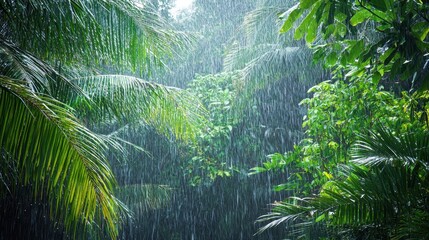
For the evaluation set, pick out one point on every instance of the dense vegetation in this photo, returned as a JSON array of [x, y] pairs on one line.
[[361, 167], [318, 107]]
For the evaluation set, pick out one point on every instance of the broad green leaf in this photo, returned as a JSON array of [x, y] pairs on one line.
[[355, 72], [303, 28], [286, 186], [320, 218], [356, 50], [331, 59], [376, 77], [382, 16], [294, 13], [420, 30], [388, 55], [339, 16], [344, 58], [359, 17], [304, 4], [341, 29], [329, 31], [325, 14], [379, 4], [257, 170], [311, 32]]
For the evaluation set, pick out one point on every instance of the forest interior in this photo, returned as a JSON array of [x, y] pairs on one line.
[[214, 119]]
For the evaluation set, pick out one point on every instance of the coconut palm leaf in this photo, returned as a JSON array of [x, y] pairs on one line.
[[38, 75], [369, 196], [290, 212], [413, 225], [365, 198], [261, 24], [265, 57], [47, 150], [238, 56], [143, 197], [265, 63], [94, 32], [124, 100], [383, 146], [270, 64], [56, 156]]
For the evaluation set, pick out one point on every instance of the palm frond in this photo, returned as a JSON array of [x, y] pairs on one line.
[[130, 100], [237, 57], [39, 76], [273, 63], [413, 225], [262, 24], [383, 146], [143, 197], [293, 213], [125, 33], [368, 196], [375, 196], [57, 156], [268, 63]]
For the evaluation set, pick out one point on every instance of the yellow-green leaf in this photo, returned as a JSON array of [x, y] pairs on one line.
[[293, 14]]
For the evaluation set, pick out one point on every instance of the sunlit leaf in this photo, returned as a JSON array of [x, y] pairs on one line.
[[293, 14]]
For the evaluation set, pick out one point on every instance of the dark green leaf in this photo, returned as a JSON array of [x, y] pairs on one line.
[[356, 50], [379, 4], [390, 55]]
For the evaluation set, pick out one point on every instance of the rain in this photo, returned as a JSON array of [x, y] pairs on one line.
[[213, 119], [210, 192]]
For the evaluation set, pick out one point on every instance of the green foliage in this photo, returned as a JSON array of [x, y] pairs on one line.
[[126, 34], [210, 152], [70, 167], [377, 197], [370, 46], [46, 148], [117, 100], [217, 93], [62, 160], [337, 112], [385, 38], [277, 162]]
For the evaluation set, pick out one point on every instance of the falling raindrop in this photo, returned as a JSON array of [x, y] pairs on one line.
[[250, 80]]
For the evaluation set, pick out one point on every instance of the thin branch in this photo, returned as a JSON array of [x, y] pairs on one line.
[[372, 12]]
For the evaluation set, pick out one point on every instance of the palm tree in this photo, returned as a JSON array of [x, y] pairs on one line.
[[53, 167], [384, 195]]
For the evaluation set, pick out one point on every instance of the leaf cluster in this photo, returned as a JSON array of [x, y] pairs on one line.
[[381, 196], [389, 36], [208, 158]]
